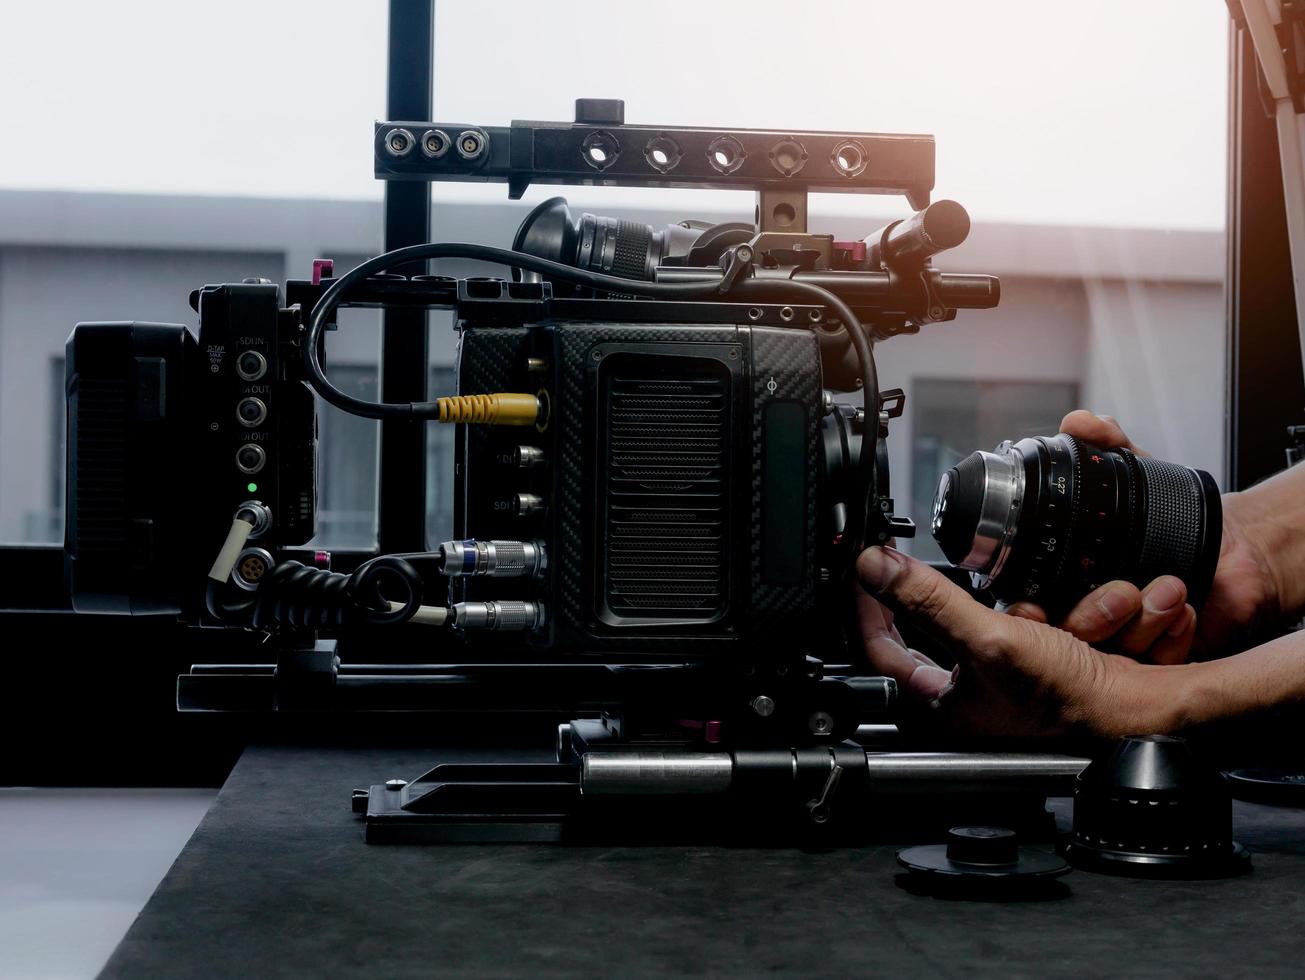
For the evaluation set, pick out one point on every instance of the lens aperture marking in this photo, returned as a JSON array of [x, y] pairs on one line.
[[1053, 505]]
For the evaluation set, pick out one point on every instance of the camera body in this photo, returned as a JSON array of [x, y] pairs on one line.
[[674, 489], [659, 437]]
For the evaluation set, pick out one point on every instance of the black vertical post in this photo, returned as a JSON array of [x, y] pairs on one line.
[[1265, 389], [401, 510]]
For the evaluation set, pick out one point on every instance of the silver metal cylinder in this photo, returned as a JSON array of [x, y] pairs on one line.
[[495, 559], [651, 773], [258, 514], [528, 457], [502, 615], [528, 504], [1003, 497], [950, 772]]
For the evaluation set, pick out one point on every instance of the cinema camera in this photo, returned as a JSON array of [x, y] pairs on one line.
[[659, 493]]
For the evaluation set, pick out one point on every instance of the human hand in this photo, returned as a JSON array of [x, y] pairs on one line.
[[1014, 676], [1152, 624]]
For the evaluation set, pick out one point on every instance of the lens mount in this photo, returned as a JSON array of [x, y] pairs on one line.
[[976, 511]]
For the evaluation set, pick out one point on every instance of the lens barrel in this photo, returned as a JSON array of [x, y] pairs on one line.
[[1051, 518], [612, 246]]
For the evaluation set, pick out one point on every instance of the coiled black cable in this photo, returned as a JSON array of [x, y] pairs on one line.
[[381, 591], [854, 534]]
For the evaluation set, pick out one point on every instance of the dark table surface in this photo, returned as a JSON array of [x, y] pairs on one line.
[[277, 882]]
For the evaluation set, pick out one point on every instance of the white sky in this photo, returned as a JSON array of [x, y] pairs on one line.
[[1107, 112]]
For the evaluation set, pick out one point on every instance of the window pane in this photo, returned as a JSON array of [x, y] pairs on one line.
[[346, 465], [347, 460]]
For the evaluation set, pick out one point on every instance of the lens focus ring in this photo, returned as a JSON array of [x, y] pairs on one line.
[[633, 245], [1171, 536]]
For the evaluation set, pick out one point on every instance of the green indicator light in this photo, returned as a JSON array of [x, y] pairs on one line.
[[252, 487]]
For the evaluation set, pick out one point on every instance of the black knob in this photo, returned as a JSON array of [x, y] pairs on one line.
[[982, 845]]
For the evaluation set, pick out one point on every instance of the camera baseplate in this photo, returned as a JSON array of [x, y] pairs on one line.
[[599, 787]]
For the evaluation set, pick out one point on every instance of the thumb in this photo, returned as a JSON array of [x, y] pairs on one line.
[[930, 600]]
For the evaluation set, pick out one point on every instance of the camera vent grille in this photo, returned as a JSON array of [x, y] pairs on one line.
[[667, 496], [99, 423]]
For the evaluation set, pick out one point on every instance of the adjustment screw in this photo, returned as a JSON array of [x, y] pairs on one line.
[[821, 723], [763, 706], [395, 784]]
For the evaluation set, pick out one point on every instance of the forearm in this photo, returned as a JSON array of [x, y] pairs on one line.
[[1267, 676], [1272, 517]]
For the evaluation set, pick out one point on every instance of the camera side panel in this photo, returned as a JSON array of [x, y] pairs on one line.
[[678, 505]]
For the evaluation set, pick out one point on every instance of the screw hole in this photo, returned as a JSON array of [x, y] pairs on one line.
[[726, 154], [849, 158], [600, 150]]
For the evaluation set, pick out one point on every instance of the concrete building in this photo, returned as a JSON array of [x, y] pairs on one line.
[[1125, 321]]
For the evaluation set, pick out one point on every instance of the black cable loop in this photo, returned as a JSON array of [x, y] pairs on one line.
[[303, 597]]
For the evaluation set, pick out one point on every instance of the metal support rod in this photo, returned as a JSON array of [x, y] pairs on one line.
[[401, 507], [651, 772]]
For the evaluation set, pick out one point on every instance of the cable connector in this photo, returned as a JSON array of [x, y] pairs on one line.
[[500, 408], [498, 614], [495, 559]]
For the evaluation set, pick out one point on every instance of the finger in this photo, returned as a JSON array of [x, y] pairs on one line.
[[884, 650], [1027, 610], [1162, 606], [1175, 646], [1104, 612], [931, 601], [928, 683], [1100, 430], [873, 615]]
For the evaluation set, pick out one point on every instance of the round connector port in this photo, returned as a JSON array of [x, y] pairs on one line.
[[251, 412], [251, 565], [250, 459], [399, 142], [251, 365], [472, 143], [527, 505], [435, 143]]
